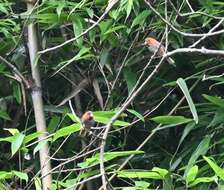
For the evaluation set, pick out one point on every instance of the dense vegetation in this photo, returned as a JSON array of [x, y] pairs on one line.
[[157, 126]]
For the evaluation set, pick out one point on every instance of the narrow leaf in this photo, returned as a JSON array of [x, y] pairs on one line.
[[21, 175], [187, 95], [215, 100], [140, 19], [191, 175], [200, 151], [218, 171], [107, 156], [137, 114], [171, 119], [17, 142], [65, 131]]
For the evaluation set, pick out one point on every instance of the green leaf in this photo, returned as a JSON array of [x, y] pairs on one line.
[[21, 175], [5, 175], [2, 184], [142, 184], [104, 57], [4, 115], [17, 93], [160, 171], [74, 117], [54, 122], [37, 183], [9, 175], [13, 131], [140, 19], [82, 54], [78, 27], [31, 137], [40, 145], [191, 175], [60, 6], [137, 114], [129, 7], [7, 139], [203, 180], [218, 171], [155, 173], [107, 157], [215, 100], [17, 142], [187, 95], [90, 12], [115, 29], [200, 151], [130, 78], [104, 26], [139, 174], [105, 120], [107, 114], [65, 131], [186, 131], [171, 119]]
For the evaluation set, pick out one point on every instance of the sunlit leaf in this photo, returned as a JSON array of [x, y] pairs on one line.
[[17, 142], [191, 175], [218, 171], [155, 173], [171, 119], [65, 131], [21, 175], [107, 156]]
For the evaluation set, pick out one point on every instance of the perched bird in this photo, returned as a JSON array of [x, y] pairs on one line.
[[155, 46], [87, 122]]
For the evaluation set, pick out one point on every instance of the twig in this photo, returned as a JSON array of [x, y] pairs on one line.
[[151, 134], [178, 31], [109, 7], [16, 71], [113, 119]]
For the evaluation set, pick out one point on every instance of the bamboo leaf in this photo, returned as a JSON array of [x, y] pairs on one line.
[[187, 95]]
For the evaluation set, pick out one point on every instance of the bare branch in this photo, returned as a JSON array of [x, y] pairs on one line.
[[178, 31], [15, 70]]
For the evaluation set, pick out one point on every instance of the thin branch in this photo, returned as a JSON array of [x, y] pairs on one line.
[[84, 181], [16, 71], [109, 7], [113, 119], [203, 50], [151, 134], [206, 35], [178, 31]]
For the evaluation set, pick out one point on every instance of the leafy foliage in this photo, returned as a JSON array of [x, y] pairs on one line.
[[172, 128]]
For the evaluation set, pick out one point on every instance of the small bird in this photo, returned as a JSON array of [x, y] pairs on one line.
[[155, 46], [87, 122]]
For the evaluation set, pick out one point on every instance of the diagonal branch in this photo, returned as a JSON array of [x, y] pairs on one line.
[[109, 7], [15, 70]]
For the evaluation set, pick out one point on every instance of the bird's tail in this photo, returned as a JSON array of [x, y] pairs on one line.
[[171, 61]]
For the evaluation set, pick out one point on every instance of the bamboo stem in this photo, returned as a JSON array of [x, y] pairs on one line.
[[38, 103]]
